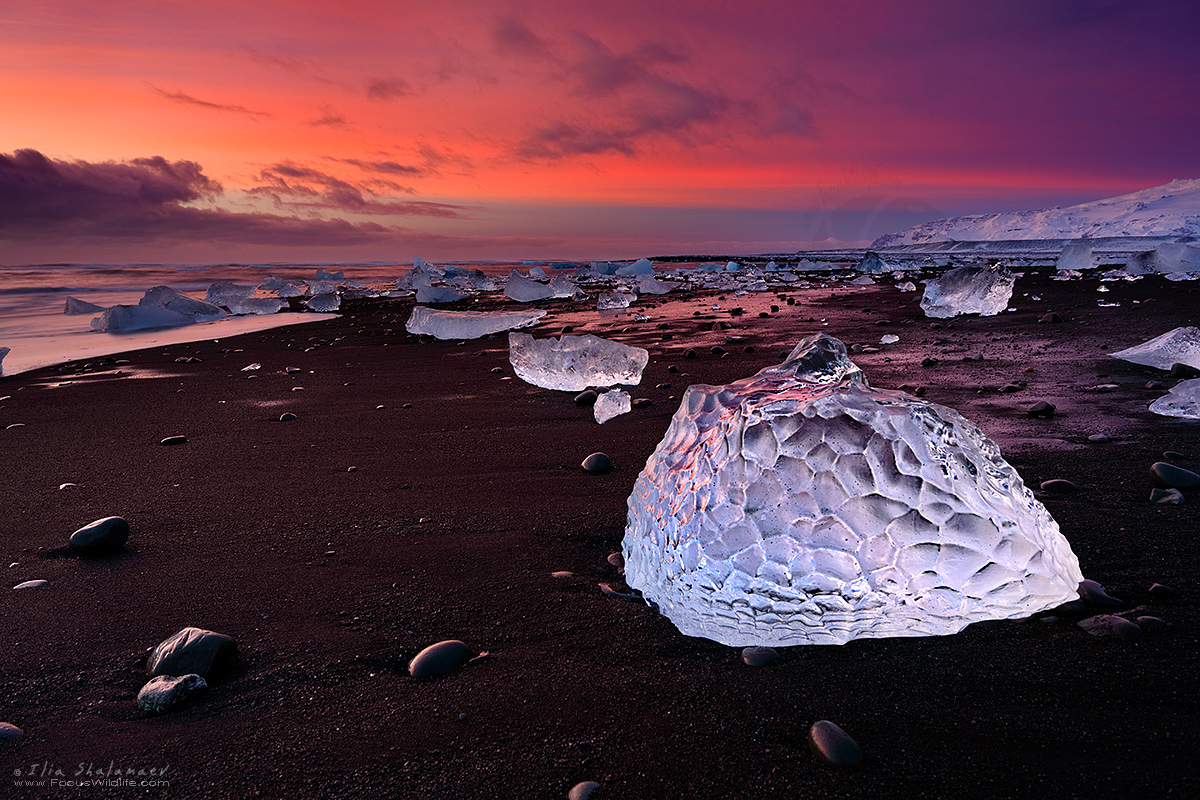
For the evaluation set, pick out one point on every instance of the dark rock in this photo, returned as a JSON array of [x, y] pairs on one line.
[[582, 790], [833, 745], [287, 416], [663, 386], [171, 441], [1155, 385], [1161, 592], [586, 398], [497, 370], [759, 656], [597, 464], [1112, 625], [617, 560], [1094, 594], [928, 362], [1166, 497], [191, 651], [10, 731], [1170, 476], [673, 369], [1009, 388], [1152, 624], [100, 538], [689, 353], [1184, 371], [1173, 455], [439, 659], [1099, 438], [1053, 316], [165, 692], [1059, 486], [717, 350], [1041, 409]]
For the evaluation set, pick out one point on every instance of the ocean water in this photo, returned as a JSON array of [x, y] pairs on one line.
[[38, 333]]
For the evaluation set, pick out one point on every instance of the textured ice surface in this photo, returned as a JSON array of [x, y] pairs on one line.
[[1181, 401], [524, 290], [573, 363], [971, 289], [648, 284], [640, 267], [248, 306], [1165, 259], [438, 294], [3, 352], [611, 404], [467, 324], [324, 302], [614, 301], [166, 297], [1076, 256], [139, 318], [1176, 346], [219, 293], [801, 506], [873, 262], [76, 306], [562, 286]]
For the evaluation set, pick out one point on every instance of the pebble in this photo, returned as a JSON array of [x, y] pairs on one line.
[[1185, 371], [102, 537], [717, 350], [191, 651], [673, 369], [1155, 385], [582, 790], [406, 405], [1166, 497], [10, 731], [32, 584], [663, 386], [1094, 594], [351, 469], [1170, 476], [1174, 455], [689, 353], [1151, 624], [164, 692], [497, 370], [62, 486], [1059, 486], [643, 402], [1099, 438], [291, 370], [1041, 409], [14, 425], [173, 440], [1112, 625], [439, 659], [1009, 388], [833, 745], [1161, 592], [1053, 316], [287, 416], [562, 573], [597, 464], [759, 656], [617, 559]]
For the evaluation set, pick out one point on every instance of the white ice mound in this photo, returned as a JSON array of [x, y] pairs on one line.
[[219, 293], [467, 324], [245, 306], [1076, 256], [175, 300], [971, 289], [76, 306], [573, 363], [524, 290], [120, 319], [1176, 346], [1182, 401], [873, 262], [1165, 259], [801, 506], [611, 404], [324, 302]]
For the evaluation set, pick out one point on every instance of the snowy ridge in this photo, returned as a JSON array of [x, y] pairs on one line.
[[1170, 210]]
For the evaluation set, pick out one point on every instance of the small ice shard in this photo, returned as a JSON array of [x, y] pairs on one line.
[[573, 363], [314, 288], [611, 404], [322, 275], [562, 286], [640, 267], [1168, 257], [614, 301], [219, 293], [324, 303], [648, 284], [1076, 256], [166, 297], [971, 289], [889, 338], [76, 306], [732, 266], [907, 286], [291, 289], [864, 280], [120, 319], [802, 506], [873, 262], [538, 272], [467, 324], [1176, 346], [1182, 401], [245, 306], [524, 290], [438, 294], [271, 283]]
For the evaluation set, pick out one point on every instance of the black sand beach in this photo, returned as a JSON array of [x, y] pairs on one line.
[[459, 508]]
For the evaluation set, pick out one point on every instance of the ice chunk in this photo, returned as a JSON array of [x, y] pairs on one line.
[[873, 262], [907, 286], [291, 289], [971, 289], [889, 338], [438, 294], [322, 275], [863, 280], [537, 272], [562, 286], [1076, 256], [119, 319], [640, 267], [648, 284], [246, 306], [1176, 346], [271, 283], [524, 290], [3, 352], [1182, 401], [808, 265], [77, 306], [611, 404], [780, 511], [467, 324], [573, 363], [219, 293], [166, 297], [614, 301], [1164, 259], [325, 302]]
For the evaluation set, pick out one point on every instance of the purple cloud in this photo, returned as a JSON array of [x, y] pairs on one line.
[[295, 186], [187, 99], [388, 88]]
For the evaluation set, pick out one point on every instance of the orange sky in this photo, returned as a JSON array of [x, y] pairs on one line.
[[576, 129]]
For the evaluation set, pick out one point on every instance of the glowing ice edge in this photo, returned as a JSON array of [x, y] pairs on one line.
[[801, 506]]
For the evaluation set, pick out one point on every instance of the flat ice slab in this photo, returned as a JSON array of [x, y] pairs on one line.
[[1182, 401], [1177, 346], [120, 318], [467, 324], [573, 363], [783, 510], [970, 289], [525, 290]]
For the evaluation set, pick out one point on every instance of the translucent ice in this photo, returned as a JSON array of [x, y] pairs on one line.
[[614, 301], [243, 306], [611, 404], [648, 284], [782, 510], [119, 319], [3, 352], [325, 302], [467, 324], [1076, 256], [166, 297], [1177, 346], [77, 306], [524, 290], [219, 293], [322, 275], [573, 363], [438, 294], [640, 267], [971, 289], [562, 286], [1166, 258], [873, 262], [1181, 401], [290, 289]]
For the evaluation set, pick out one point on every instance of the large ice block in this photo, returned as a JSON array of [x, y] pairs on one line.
[[614, 301], [1176, 346], [970, 289], [244, 306], [573, 363], [1182, 401], [1076, 256], [76, 306], [324, 302], [467, 324], [166, 297], [1165, 259], [219, 293], [524, 290], [438, 294], [873, 262], [121, 318], [781, 510], [612, 403]]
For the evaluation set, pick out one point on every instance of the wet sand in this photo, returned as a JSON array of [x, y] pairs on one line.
[[461, 506]]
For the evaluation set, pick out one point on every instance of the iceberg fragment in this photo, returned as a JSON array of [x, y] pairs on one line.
[[245, 306], [324, 302], [76, 306], [573, 363], [971, 289], [524, 290], [640, 267], [219, 293], [614, 301], [1165, 259], [467, 324], [438, 294], [611, 404], [119, 319], [322, 275], [166, 297], [1176, 346], [1182, 401], [802, 506], [562, 286], [1076, 256], [3, 352], [648, 284], [873, 262]]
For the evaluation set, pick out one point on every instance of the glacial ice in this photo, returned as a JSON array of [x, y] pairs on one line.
[[873, 262], [614, 301], [802, 506], [76, 306], [324, 302], [174, 300], [1176, 346], [219, 293], [648, 284], [467, 324], [524, 290], [119, 319], [290, 289], [246, 306], [562, 286], [573, 363], [322, 275], [438, 294], [612, 403], [640, 267], [1165, 259], [1076, 256], [970, 289], [1182, 401], [3, 352]]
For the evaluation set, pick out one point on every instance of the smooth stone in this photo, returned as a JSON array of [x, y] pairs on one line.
[[14, 425], [1099, 438], [10, 731], [759, 656], [102, 537], [1094, 594], [1041, 409], [1059, 486], [833, 745], [643, 402], [1170, 476], [439, 659], [1166, 497], [287, 417], [1160, 591], [1053, 316], [1155, 385], [582, 790], [1112, 625], [1184, 371], [191, 651], [1174, 455], [171, 441], [597, 464], [164, 692], [617, 560], [32, 584], [717, 350], [1151, 624], [1009, 388], [67, 486], [586, 398], [562, 573]]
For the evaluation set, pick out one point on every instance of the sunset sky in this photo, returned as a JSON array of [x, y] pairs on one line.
[[215, 130]]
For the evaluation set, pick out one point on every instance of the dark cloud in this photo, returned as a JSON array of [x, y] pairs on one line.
[[511, 36], [329, 118], [387, 167], [388, 88], [297, 187], [187, 99]]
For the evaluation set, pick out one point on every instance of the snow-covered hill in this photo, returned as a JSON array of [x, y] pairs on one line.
[[1169, 210]]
